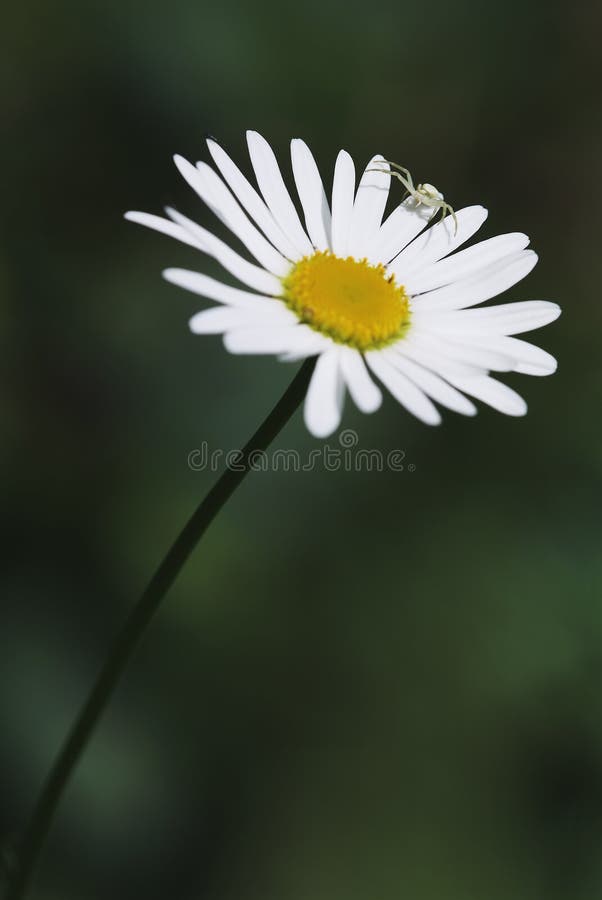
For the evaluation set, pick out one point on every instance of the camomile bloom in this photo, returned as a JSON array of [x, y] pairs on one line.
[[379, 301]]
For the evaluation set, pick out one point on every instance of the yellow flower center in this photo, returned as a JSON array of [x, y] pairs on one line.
[[351, 301]]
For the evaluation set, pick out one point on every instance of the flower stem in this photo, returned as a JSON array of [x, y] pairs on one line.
[[25, 855]]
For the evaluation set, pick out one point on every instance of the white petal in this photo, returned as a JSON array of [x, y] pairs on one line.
[[465, 263], [529, 359], [507, 318], [223, 293], [252, 202], [246, 272], [192, 177], [461, 349], [369, 206], [436, 388], [428, 357], [311, 194], [307, 342], [261, 339], [493, 280], [323, 406], [165, 226], [404, 390], [275, 193], [494, 393], [437, 241], [405, 222], [343, 190], [364, 393], [221, 318], [270, 258], [212, 191], [539, 371]]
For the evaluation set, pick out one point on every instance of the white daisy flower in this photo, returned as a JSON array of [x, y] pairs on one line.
[[376, 301]]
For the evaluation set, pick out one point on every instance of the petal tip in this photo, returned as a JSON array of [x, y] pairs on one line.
[[373, 407], [194, 325], [319, 432]]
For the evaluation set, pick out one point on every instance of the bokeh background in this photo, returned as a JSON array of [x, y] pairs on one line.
[[373, 685]]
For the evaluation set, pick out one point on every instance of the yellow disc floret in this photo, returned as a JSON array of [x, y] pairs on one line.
[[349, 300]]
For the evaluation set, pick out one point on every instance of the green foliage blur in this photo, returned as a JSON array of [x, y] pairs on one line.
[[365, 686]]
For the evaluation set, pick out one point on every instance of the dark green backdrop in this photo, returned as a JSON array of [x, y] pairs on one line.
[[377, 686]]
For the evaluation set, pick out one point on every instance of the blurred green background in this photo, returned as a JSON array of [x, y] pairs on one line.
[[364, 686]]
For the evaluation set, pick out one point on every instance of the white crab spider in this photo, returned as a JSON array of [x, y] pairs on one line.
[[423, 195]]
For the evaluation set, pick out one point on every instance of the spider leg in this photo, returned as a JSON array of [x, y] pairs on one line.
[[395, 175], [380, 168], [408, 186], [402, 169], [406, 173], [437, 206], [455, 218], [387, 172], [445, 207], [411, 193]]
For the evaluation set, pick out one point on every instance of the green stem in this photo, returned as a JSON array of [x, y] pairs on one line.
[[35, 832]]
